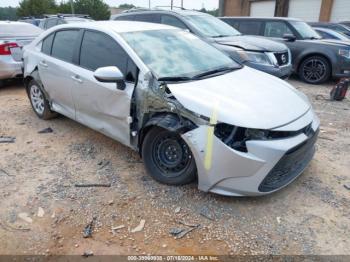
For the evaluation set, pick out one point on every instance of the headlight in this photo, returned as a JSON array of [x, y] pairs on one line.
[[344, 53], [255, 57], [236, 137]]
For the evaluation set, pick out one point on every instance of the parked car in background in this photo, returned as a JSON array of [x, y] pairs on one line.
[[261, 54], [13, 36], [346, 23], [30, 20], [314, 60], [326, 33], [59, 19], [340, 28], [186, 107]]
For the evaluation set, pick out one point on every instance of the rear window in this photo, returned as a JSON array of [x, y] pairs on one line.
[[18, 29], [63, 45]]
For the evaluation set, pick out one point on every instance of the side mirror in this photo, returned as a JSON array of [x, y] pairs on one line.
[[110, 74], [289, 37]]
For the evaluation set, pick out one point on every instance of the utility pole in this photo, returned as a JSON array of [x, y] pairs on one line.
[[72, 6], [149, 4], [182, 4], [172, 3]]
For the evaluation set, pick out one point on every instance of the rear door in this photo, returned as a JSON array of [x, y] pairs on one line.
[[55, 68], [102, 106]]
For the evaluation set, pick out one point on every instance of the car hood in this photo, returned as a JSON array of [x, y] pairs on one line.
[[251, 43], [246, 98]]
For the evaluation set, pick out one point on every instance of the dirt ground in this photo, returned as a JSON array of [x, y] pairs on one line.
[[43, 212]]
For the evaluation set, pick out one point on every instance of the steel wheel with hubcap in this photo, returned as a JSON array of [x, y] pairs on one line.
[[315, 70], [167, 157]]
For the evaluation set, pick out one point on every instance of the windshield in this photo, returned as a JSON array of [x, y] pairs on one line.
[[305, 31], [211, 26], [176, 53], [18, 29]]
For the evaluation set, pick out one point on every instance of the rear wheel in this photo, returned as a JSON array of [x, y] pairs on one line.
[[39, 102], [315, 70], [167, 157]]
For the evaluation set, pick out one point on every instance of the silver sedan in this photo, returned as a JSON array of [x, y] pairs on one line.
[[13, 36], [186, 107]]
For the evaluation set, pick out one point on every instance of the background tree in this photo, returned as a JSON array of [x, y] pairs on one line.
[[126, 6], [8, 13], [97, 9], [36, 7], [214, 12]]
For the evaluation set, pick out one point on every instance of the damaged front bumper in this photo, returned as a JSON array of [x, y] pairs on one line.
[[268, 165]]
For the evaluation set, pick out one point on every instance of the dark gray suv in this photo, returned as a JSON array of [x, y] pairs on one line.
[[315, 60], [256, 52]]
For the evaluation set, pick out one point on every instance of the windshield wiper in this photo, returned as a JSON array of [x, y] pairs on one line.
[[215, 71], [175, 78]]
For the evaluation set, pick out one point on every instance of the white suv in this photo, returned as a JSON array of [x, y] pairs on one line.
[[187, 108]]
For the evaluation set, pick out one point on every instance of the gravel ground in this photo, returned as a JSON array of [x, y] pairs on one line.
[[43, 212]]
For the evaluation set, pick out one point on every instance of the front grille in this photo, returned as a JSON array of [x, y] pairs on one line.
[[282, 58], [291, 164]]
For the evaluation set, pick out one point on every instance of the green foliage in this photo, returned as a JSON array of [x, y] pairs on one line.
[[97, 9], [8, 13], [214, 12], [126, 6], [36, 7]]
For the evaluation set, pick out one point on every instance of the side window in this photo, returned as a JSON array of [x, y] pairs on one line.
[[173, 21], [100, 50], [61, 22], [249, 27], [64, 44], [276, 29], [150, 18], [47, 44], [125, 18], [51, 22]]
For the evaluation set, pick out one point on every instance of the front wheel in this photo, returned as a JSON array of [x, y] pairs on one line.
[[167, 157], [39, 102], [315, 70]]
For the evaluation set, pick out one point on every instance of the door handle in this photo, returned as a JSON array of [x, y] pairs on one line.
[[43, 63], [77, 78]]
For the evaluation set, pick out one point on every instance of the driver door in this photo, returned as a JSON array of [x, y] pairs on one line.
[[102, 106]]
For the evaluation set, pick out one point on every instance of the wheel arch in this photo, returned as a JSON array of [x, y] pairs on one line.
[[308, 55], [34, 75], [167, 121]]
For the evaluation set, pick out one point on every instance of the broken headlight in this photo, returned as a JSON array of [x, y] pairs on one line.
[[236, 137]]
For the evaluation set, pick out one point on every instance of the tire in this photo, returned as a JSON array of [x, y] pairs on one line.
[[39, 102], [2, 83], [167, 157], [315, 70]]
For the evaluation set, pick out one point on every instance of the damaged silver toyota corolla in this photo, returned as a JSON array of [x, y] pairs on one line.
[[187, 108]]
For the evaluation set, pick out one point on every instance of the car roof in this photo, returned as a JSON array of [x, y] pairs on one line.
[[119, 26], [182, 12], [12, 23], [262, 18]]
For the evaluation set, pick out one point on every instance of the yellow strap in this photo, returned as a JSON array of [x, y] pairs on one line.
[[210, 138]]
